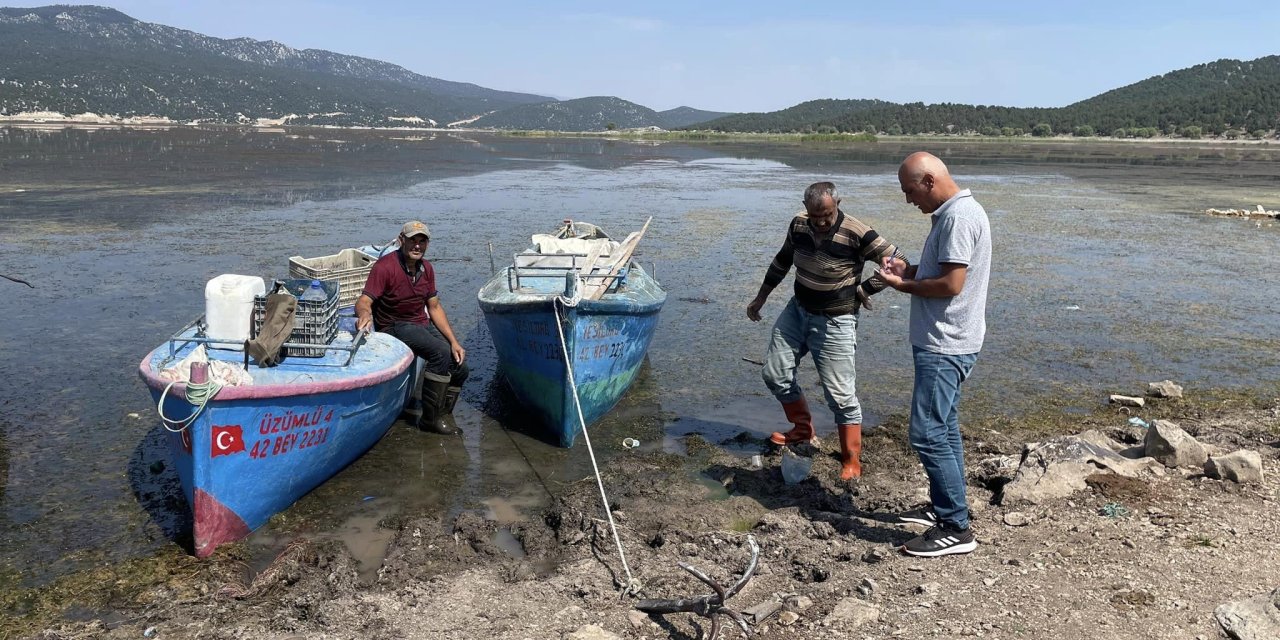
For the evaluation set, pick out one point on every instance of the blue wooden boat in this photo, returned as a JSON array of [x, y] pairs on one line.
[[574, 291], [256, 448]]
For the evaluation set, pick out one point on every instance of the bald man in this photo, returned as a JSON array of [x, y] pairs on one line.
[[948, 324]]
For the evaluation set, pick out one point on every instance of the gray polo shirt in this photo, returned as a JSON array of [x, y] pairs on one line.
[[961, 234]]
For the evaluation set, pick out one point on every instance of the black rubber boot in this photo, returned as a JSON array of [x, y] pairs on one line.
[[451, 398], [433, 414]]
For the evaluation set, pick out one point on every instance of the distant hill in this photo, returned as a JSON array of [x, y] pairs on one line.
[[1215, 98], [806, 115], [686, 116], [78, 59], [598, 113], [74, 59]]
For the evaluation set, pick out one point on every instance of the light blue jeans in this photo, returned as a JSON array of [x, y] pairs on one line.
[[935, 430], [833, 341]]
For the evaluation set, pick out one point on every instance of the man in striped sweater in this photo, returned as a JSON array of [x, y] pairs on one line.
[[828, 249]]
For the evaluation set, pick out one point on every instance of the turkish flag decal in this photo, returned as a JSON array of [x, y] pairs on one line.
[[227, 439]]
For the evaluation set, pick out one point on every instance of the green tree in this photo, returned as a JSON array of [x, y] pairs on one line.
[[871, 129], [1192, 132], [1258, 134], [611, 126], [1231, 134], [1083, 131], [1119, 132], [1042, 130], [895, 129]]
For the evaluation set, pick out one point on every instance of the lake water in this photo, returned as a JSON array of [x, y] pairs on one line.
[[1106, 275]]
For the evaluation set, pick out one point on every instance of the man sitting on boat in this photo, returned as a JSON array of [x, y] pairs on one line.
[[400, 299], [828, 249]]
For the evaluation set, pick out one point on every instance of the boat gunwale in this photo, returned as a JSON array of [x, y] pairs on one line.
[[279, 390]]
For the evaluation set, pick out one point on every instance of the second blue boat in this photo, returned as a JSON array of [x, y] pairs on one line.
[[574, 291]]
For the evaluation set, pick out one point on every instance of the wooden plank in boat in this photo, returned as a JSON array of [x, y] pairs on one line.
[[623, 258]]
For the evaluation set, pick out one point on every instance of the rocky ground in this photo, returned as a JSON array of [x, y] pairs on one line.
[[1138, 550]]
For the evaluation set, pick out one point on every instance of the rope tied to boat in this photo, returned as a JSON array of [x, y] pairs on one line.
[[572, 295], [633, 585], [198, 394]]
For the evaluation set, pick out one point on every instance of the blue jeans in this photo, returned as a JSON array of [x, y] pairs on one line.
[[833, 341], [935, 430]]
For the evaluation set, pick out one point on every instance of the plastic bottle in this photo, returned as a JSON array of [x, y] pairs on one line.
[[315, 293]]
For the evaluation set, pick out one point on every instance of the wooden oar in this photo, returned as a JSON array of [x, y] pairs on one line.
[[624, 257]]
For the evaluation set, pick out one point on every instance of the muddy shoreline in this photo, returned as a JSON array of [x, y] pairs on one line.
[[1182, 545]]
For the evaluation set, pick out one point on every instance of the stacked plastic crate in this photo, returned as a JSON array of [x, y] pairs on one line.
[[315, 322]]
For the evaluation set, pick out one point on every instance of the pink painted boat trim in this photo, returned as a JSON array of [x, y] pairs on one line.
[[253, 391], [215, 524]]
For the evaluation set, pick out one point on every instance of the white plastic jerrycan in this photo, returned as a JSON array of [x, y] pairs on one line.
[[228, 307]]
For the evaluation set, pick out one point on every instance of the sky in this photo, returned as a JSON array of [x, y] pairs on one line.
[[755, 55]]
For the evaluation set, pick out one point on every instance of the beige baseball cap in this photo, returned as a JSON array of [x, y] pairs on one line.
[[415, 228]]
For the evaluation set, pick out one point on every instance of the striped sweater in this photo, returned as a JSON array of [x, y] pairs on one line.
[[829, 266]]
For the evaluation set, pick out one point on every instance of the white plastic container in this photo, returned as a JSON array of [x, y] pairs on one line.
[[228, 307]]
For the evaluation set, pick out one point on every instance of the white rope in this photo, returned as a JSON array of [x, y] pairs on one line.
[[571, 300], [633, 585]]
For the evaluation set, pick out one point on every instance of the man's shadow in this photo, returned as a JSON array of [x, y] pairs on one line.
[[814, 501]]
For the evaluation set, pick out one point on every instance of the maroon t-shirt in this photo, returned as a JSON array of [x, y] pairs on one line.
[[398, 296]]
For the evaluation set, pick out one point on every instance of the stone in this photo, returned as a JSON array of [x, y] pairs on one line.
[[1017, 519], [591, 632], [797, 603], [1256, 618], [637, 618], [1243, 466], [761, 612], [852, 613], [868, 587], [1058, 467], [788, 618], [929, 588], [1164, 389], [1101, 439], [1127, 401], [874, 555], [1173, 447], [993, 471]]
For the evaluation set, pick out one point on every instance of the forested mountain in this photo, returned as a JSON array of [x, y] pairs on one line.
[[83, 58], [599, 113], [805, 116], [686, 116], [1225, 97]]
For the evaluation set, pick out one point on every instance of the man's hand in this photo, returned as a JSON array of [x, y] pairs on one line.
[[459, 354], [364, 323], [892, 271], [864, 299], [753, 309]]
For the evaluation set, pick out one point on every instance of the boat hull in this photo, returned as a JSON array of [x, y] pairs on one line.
[[253, 452], [607, 340]]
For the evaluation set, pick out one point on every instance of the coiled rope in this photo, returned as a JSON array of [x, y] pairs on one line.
[[566, 302], [198, 394]]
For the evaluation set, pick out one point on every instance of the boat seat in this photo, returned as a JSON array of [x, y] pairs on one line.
[[554, 252]]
